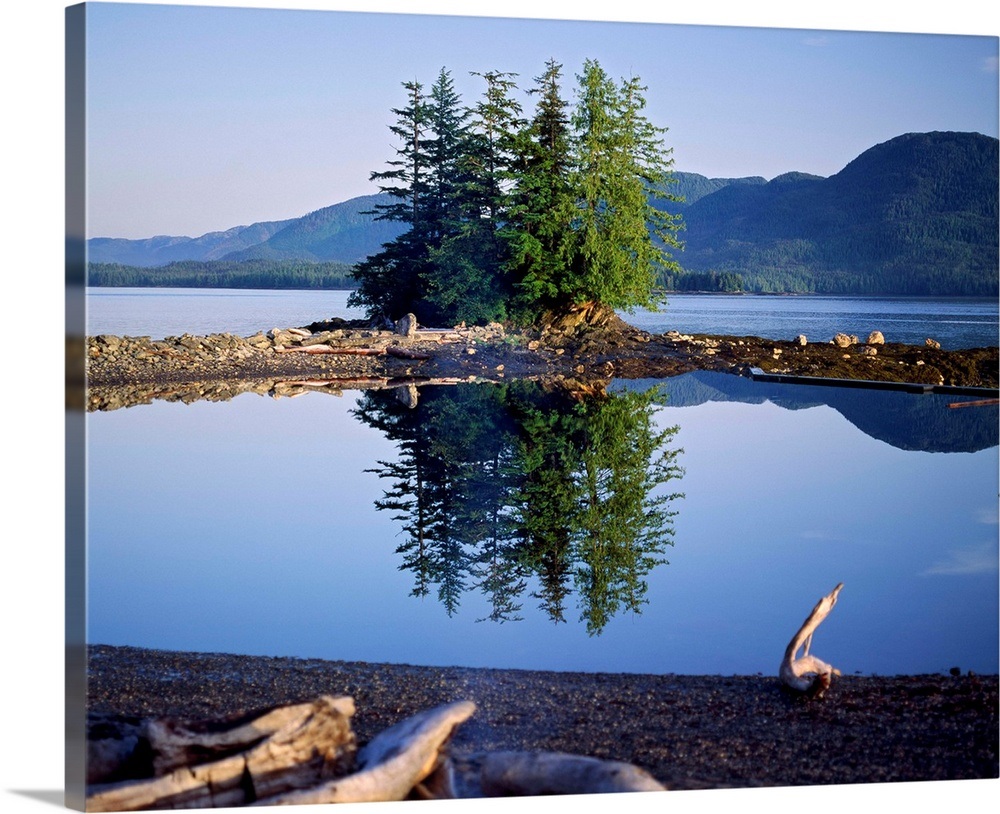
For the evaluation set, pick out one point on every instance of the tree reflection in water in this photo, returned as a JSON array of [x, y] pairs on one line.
[[499, 486]]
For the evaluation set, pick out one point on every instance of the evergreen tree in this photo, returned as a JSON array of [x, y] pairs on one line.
[[469, 282], [621, 163], [509, 219], [389, 281], [542, 207]]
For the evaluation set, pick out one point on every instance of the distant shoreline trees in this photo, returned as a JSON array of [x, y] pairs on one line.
[[275, 274], [507, 218]]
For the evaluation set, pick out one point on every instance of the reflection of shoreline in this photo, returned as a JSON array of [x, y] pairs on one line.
[[906, 421], [105, 398], [690, 732]]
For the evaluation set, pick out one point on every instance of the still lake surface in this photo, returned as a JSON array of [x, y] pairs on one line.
[[511, 527], [955, 323]]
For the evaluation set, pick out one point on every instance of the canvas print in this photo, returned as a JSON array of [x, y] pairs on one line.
[[473, 407]]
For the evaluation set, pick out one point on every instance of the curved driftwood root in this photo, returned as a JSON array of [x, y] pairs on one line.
[[809, 674], [506, 774]]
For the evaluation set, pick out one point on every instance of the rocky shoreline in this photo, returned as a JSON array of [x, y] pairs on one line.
[[581, 349], [689, 732]]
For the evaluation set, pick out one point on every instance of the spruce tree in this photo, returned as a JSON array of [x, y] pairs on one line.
[[468, 265], [621, 163], [542, 207], [389, 281], [509, 219]]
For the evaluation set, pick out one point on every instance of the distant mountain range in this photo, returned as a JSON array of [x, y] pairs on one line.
[[917, 214]]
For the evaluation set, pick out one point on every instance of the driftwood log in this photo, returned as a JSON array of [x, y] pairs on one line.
[[806, 673], [393, 763], [507, 774], [306, 753], [237, 763]]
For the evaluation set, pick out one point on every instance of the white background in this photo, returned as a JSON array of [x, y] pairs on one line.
[[31, 352]]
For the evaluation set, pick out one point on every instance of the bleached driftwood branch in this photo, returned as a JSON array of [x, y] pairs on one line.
[[809, 674], [393, 762]]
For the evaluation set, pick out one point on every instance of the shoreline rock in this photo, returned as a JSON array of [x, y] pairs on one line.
[[345, 354]]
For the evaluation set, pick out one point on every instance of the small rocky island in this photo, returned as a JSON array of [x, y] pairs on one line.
[[581, 348]]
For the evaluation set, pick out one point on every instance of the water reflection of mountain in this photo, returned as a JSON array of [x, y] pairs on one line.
[[903, 420]]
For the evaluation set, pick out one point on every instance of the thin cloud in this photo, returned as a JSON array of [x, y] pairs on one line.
[[988, 517], [816, 42], [981, 559], [819, 535], [990, 65]]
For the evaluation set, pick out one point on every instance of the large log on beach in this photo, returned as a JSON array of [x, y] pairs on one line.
[[407, 353], [303, 753], [393, 763], [306, 753], [506, 774], [285, 749]]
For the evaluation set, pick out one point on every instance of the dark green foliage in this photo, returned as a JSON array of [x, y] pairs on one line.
[[503, 489], [542, 203], [916, 215], [290, 274], [467, 277], [692, 281], [389, 281], [620, 164], [510, 218]]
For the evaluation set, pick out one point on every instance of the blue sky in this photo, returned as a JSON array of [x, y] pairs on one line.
[[204, 118]]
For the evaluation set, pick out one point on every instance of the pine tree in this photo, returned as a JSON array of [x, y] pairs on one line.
[[509, 219]]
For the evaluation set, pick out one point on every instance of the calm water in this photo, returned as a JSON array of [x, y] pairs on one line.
[[689, 532], [170, 312], [956, 323]]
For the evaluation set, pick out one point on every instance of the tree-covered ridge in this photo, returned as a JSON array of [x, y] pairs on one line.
[[506, 217], [342, 233], [288, 274], [163, 249], [915, 215]]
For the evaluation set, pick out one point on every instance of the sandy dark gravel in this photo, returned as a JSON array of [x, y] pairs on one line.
[[690, 732]]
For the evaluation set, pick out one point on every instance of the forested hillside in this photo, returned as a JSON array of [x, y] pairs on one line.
[[293, 274], [344, 233], [915, 215], [163, 249]]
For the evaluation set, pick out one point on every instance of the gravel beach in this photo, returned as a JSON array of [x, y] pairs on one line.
[[689, 732]]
